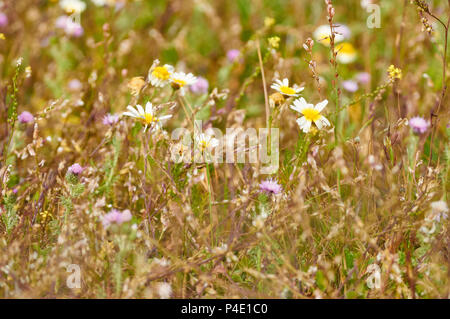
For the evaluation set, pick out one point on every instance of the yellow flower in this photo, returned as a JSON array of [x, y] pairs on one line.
[[395, 73], [274, 42], [268, 22], [2, 36], [346, 53]]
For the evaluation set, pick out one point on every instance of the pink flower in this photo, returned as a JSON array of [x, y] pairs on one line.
[[3, 20], [200, 87], [233, 55], [25, 117], [110, 119], [75, 169], [270, 187], [350, 86], [75, 85], [419, 125], [116, 217], [70, 27], [363, 77]]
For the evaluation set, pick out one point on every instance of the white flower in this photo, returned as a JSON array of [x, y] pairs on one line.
[[147, 116], [160, 75], [439, 210], [323, 33], [180, 79], [72, 6], [374, 280], [310, 113], [205, 141], [284, 88], [164, 290], [101, 3]]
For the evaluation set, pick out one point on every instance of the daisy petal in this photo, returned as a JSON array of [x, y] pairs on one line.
[[320, 106]]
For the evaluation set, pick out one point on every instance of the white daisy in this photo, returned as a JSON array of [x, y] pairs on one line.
[[147, 116], [160, 75], [205, 141], [284, 88], [180, 79], [310, 114], [323, 34], [72, 6]]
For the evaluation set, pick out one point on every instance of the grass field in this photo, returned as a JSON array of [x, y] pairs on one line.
[[100, 198]]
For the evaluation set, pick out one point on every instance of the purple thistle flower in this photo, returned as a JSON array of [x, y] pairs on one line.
[[3, 20], [116, 217], [25, 117], [200, 87], [110, 119], [75, 169], [233, 55], [419, 125], [270, 187]]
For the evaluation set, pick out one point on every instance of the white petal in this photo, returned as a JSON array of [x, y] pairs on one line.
[[149, 108], [130, 114], [299, 105], [304, 124], [164, 117], [286, 82], [140, 109], [320, 106], [325, 121], [133, 110]]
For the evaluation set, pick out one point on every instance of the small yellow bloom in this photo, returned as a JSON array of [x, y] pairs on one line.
[[395, 73], [274, 42], [268, 22], [2, 36]]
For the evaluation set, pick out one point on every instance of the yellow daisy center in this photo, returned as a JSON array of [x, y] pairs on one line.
[[204, 145], [311, 114], [325, 39], [346, 48], [287, 90], [180, 83], [149, 119], [161, 73]]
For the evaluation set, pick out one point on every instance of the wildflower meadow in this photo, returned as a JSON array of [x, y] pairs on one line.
[[218, 149]]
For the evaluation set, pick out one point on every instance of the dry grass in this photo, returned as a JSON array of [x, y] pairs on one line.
[[355, 218]]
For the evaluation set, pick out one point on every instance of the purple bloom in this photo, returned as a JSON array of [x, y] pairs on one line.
[[25, 117], [70, 27], [110, 119], [116, 217], [3, 20], [343, 31], [350, 86], [76, 169], [201, 86], [233, 55], [75, 85], [270, 186], [419, 125], [363, 77]]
